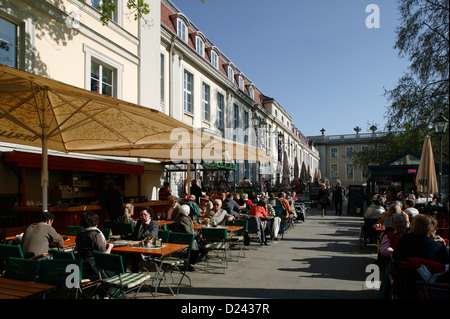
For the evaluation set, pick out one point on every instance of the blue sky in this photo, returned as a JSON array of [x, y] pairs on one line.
[[317, 58]]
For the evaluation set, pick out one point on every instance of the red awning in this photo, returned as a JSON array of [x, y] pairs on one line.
[[33, 160]]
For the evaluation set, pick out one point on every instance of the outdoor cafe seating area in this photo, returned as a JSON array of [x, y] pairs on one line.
[[164, 270]]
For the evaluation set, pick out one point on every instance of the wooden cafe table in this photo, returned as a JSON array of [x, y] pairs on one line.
[[17, 289], [156, 252]]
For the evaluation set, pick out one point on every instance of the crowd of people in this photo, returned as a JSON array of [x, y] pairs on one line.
[[407, 234]]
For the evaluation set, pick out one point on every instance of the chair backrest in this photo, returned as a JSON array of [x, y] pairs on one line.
[[241, 222], [163, 235], [10, 251], [275, 202], [61, 254], [280, 212], [228, 209], [22, 269], [405, 278], [181, 238], [118, 228], [110, 262], [55, 271], [214, 233], [72, 230], [106, 232]]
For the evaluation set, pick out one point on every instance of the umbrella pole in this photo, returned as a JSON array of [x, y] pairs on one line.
[[44, 174]]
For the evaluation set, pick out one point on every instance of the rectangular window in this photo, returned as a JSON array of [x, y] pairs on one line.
[[251, 92], [214, 59], [349, 172], [334, 171], [236, 116], [103, 78], [161, 79], [220, 110], [364, 148], [199, 47], [230, 74], [8, 43], [187, 92], [181, 30], [349, 152], [241, 83], [334, 152], [98, 3], [205, 102]]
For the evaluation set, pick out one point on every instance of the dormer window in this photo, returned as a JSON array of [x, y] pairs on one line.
[[241, 82], [199, 46], [182, 30], [199, 40], [214, 59], [181, 23], [213, 56], [251, 92], [230, 72]]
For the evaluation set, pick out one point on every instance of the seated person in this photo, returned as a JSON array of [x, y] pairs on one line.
[[422, 242], [391, 239], [410, 209], [90, 238], [144, 227], [259, 210], [171, 211], [231, 203], [273, 223], [37, 237], [375, 211], [195, 210], [248, 203], [219, 215], [128, 215], [386, 219], [183, 224], [205, 204]]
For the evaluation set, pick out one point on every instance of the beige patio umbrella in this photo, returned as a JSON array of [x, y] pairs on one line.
[[426, 174], [41, 112]]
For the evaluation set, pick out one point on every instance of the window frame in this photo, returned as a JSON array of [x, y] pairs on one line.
[[200, 46], [206, 102], [92, 54], [214, 59], [220, 110], [334, 151], [182, 30], [187, 92], [347, 177]]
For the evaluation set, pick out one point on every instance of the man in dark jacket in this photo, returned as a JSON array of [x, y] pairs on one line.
[[338, 198], [144, 227]]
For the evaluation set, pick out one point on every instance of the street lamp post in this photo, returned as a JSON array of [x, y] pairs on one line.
[[440, 127]]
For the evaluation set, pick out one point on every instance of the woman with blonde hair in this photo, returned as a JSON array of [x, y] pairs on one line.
[[128, 215], [422, 242]]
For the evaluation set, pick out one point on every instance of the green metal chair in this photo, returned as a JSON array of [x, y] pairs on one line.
[[61, 254], [119, 228], [238, 238], [72, 230], [179, 261], [163, 235], [216, 240], [123, 282], [22, 269], [7, 251], [65, 274], [106, 232]]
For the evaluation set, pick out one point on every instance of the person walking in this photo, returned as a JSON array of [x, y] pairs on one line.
[[338, 198], [323, 199]]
